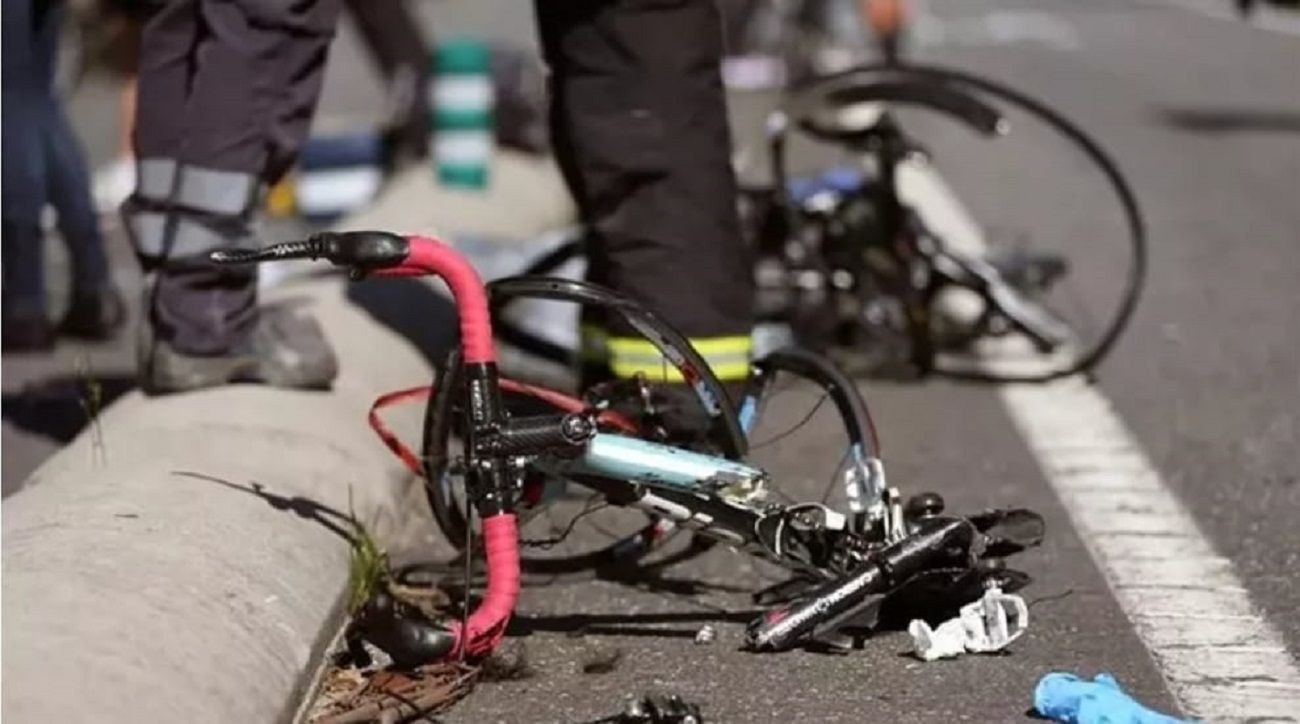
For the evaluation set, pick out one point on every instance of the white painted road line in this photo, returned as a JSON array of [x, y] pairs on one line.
[[1223, 661]]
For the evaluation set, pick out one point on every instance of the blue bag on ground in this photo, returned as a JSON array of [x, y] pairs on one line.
[[1070, 699]]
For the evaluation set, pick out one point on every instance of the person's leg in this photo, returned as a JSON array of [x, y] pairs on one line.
[[298, 64], [25, 323], [592, 349], [95, 311], [396, 45], [167, 69], [208, 147], [120, 21], [114, 182], [163, 73], [641, 130]]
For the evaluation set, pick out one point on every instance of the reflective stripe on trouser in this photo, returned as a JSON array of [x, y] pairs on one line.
[[194, 187], [627, 357], [184, 211], [179, 213]]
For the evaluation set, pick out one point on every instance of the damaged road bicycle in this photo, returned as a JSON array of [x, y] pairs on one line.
[[846, 261], [520, 442]]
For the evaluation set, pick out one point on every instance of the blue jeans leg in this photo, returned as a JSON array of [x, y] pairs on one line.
[[43, 163], [23, 191], [68, 188], [23, 196]]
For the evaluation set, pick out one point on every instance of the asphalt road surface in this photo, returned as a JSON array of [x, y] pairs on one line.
[[1203, 113]]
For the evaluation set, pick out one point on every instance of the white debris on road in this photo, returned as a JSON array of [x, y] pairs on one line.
[[985, 626]]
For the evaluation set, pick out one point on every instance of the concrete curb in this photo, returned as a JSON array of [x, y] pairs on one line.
[[182, 560]]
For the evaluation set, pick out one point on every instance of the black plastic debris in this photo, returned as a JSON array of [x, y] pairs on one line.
[[943, 563], [657, 709], [936, 542]]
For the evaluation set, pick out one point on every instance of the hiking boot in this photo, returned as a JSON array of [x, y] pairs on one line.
[[94, 316], [285, 348]]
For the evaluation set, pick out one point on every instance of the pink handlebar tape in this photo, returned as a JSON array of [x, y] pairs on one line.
[[430, 256], [487, 625]]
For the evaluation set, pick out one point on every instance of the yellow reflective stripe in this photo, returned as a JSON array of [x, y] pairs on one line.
[[728, 357], [726, 372], [740, 344], [706, 346], [654, 360]]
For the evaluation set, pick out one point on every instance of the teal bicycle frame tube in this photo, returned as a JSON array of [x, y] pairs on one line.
[[627, 458]]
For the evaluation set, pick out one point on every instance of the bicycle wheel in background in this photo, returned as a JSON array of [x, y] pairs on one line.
[[1036, 199]]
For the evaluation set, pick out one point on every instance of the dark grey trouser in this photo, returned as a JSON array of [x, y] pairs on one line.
[[227, 89], [639, 124]]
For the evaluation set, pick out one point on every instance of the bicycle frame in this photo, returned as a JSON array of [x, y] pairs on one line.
[[714, 494], [674, 484], [957, 95]]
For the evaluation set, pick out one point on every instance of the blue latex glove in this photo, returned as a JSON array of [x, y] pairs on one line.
[[1067, 698]]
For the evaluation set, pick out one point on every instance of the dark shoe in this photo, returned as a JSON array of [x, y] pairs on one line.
[[285, 349], [97, 316], [27, 334]]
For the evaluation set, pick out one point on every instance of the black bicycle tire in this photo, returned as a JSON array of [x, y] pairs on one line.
[[523, 339], [853, 410], [437, 427]]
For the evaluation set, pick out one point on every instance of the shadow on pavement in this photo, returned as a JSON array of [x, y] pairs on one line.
[[620, 624], [335, 521], [412, 309], [449, 574], [60, 407], [1232, 120]]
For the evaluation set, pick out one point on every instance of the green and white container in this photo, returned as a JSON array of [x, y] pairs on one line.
[[462, 103]]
